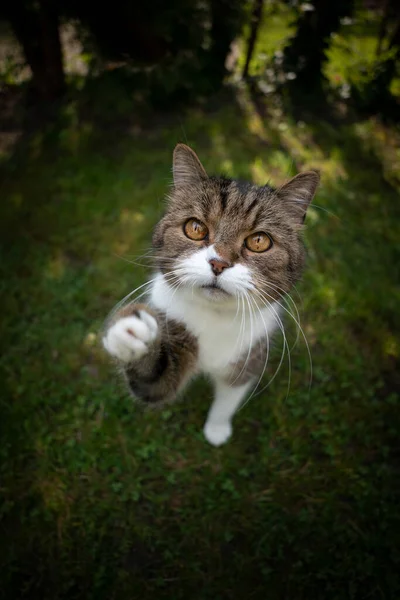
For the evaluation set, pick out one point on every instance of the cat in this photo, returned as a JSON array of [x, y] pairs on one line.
[[226, 252]]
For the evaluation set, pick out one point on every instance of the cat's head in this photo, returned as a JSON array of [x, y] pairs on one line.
[[221, 238]]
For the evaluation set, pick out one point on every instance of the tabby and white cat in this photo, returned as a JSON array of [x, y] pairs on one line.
[[226, 252]]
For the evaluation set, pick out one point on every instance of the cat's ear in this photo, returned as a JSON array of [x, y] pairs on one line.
[[186, 167], [298, 192]]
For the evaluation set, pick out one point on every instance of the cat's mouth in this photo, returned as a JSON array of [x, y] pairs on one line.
[[213, 290]]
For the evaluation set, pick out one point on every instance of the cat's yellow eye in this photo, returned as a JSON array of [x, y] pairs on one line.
[[195, 230], [258, 242]]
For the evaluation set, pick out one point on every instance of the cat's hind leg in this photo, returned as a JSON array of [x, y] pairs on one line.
[[218, 427]]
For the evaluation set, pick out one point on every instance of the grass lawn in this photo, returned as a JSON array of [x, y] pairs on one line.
[[101, 500]]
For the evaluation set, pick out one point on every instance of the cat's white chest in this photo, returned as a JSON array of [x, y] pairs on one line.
[[220, 338], [223, 335]]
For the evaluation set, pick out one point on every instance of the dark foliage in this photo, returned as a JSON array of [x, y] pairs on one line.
[[179, 47], [36, 26], [375, 96], [305, 54]]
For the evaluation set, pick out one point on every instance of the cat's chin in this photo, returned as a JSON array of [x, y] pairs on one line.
[[214, 293]]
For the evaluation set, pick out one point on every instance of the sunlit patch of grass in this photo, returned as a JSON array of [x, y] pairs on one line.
[[391, 346], [255, 124], [259, 172], [56, 266], [227, 167]]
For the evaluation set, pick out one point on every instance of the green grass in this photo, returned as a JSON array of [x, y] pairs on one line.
[[101, 500]]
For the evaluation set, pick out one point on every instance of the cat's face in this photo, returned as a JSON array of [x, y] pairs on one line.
[[223, 239]]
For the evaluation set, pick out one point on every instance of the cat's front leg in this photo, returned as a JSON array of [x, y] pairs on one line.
[[131, 337], [156, 355], [218, 427]]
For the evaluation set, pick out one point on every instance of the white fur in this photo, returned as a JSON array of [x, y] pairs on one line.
[[129, 337], [218, 427]]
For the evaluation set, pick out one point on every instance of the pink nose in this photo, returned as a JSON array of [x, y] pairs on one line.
[[218, 266]]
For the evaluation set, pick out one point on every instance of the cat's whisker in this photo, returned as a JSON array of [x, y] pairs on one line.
[[260, 339], [131, 262], [226, 363], [176, 288], [282, 292], [237, 307], [141, 295], [285, 299], [280, 289], [266, 359], [304, 338], [280, 360], [237, 298], [147, 255], [242, 331], [329, 212], [193, 284], [128, 296], [240, 337], [297, 328], [145, 260], [269, 304], [285, 343], [143, 254], [246, 297]]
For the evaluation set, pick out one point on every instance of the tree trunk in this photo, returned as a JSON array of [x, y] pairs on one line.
[[37, 29], [226, 23], [383, 27], [305, 55], [255, 25]]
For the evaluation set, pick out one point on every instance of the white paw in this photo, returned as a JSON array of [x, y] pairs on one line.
[[217, 434], [129, 338]]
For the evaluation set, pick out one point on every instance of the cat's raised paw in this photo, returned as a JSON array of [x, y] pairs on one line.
[[129, 338], [217, 434]]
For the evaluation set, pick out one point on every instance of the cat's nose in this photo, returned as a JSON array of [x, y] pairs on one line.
[[218, 266]]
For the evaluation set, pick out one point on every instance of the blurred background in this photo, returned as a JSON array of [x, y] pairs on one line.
[[98, 499]]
